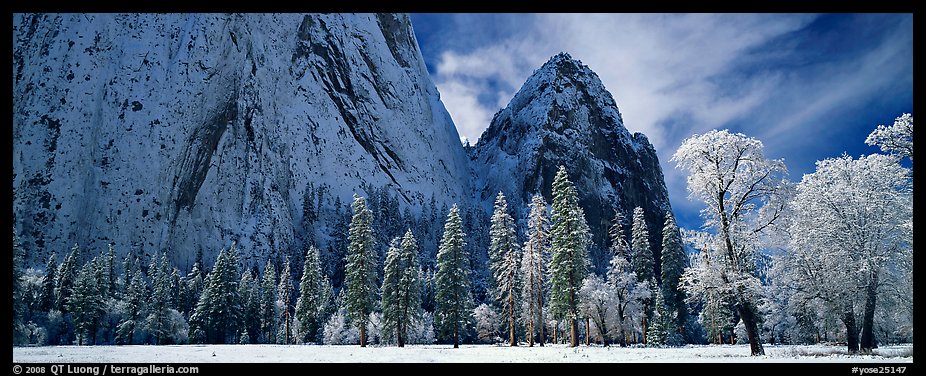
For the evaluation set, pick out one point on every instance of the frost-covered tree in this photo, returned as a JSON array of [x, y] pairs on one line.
[[569, 252], [314, 298], [268, 305], [534, 260], [453, 298], [505, 258], [745, 193], [896, 138], [849, 226], [597, 302], [703, 285], [487, 322], [401, 292], [628, 294], [672, 265], [284, 303], [361, 273], [663, 330]]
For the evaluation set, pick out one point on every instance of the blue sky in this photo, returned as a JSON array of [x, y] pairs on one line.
[[809, 86]]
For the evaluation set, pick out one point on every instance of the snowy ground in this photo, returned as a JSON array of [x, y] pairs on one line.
[[446, 354]]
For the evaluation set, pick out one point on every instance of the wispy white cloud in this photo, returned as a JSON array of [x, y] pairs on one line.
[[674, 75]]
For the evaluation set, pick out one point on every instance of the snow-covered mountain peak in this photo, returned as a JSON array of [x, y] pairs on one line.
[[563, 115]]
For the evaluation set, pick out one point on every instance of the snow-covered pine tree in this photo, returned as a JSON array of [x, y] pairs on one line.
[[135, 297], [268, 306], [401, 292], [314, 297], [159, 305], [673, 262], [453, 300], [110, 271], [86, 301], [192, 288], [505, 258], [249, 292], [47, 294], [658, 331], [643, 262], [215, 319], [360, 270], [569, 251], [534, 260], [67, 273], [284, 304]]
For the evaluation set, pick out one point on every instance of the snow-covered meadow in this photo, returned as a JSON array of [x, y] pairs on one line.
[[447, 354]]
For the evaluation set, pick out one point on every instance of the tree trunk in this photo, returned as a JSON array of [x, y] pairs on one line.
[[747, 314], [851, 329], [574, 328], [398, 335], [363, 337], [868, 338], [588, 332], [644, 330], [511, 337], [456, 338]]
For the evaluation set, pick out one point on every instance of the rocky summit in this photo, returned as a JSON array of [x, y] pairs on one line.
[[563, 115]]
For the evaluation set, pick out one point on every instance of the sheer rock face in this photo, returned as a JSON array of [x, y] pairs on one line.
[[181, 132], [186, 132], [563, 115]]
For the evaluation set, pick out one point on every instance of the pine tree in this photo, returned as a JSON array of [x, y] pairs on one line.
[[192, 288], [249, 293], [534, 262], [67, 273], [216, 317], [160, 299], [401, 292], [47, 295], [135, 298], [268, 306], [642, 260], [657, 333], [453, 300], [505, 257], [284, 303], [314, 297], [86, 301], [569, 261], [110, 269], [642, 252], [673, 262], [361, 273]]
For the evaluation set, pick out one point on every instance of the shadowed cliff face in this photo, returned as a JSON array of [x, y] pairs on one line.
[[183, 132], [564, 116]]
